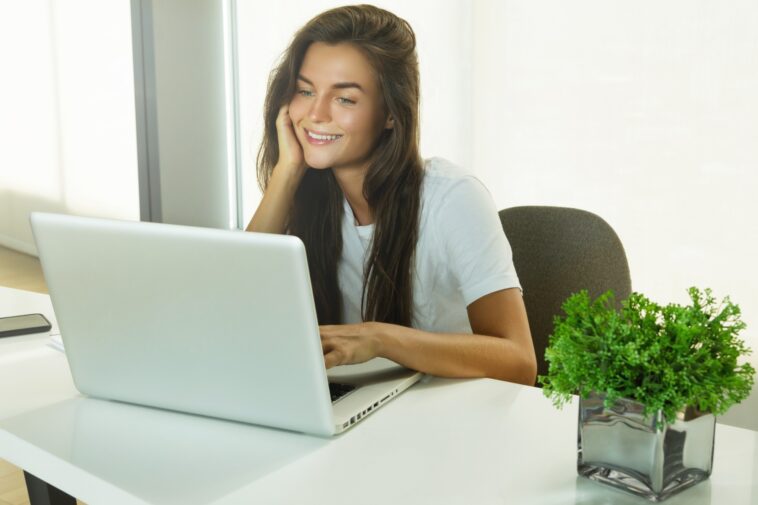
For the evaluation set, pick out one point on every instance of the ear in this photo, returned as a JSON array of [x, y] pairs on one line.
[[390, 123]]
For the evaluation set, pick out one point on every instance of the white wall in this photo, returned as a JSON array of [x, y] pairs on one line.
[[67, 122], [642, 112]]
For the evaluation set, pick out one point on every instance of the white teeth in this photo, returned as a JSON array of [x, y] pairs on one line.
[[322, 137]]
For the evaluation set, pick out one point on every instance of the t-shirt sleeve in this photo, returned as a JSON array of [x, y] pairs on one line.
[[476, 250]]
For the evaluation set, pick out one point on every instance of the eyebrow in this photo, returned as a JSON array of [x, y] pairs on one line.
[[339, 85]]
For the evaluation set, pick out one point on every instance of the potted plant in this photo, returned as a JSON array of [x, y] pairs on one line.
[[651, 380]]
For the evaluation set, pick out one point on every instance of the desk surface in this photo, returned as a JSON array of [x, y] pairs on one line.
[[442, 442]]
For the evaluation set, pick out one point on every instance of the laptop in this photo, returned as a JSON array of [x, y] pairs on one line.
[[212, 322]]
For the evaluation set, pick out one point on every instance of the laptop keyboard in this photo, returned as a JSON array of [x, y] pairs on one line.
[[339, 390]]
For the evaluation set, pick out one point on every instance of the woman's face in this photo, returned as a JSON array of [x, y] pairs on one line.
[[337, 111]]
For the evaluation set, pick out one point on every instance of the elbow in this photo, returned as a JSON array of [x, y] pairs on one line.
[[528, 362], [529, 372], [521, 370]]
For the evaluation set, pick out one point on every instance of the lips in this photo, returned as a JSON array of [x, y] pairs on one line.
[[321, 138]]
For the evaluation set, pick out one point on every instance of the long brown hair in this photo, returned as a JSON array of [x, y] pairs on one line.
[[393, 182]]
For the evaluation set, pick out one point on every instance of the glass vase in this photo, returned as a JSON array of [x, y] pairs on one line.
[[620, 447]]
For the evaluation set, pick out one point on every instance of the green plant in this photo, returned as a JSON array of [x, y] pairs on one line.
[[666, 357]]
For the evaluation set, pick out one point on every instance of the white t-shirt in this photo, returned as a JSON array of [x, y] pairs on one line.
[[461, 255]]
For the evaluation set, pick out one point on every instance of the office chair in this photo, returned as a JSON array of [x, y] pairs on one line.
[[558, 251]]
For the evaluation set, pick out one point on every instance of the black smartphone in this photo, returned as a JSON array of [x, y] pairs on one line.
[[23, 325]]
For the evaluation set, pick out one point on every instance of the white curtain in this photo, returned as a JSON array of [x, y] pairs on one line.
[[67, 113]]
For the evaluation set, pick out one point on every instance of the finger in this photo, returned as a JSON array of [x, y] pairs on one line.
[[333, 358], [327, 346], [283, 119]]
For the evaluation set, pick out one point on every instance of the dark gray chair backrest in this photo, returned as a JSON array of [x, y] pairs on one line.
[[558, 251]]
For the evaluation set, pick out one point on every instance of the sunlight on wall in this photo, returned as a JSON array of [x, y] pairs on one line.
[[643, 113], [68, 126], [646, 118], [28, 101]]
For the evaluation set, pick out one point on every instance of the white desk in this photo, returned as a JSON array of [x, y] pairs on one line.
[[442, 442]]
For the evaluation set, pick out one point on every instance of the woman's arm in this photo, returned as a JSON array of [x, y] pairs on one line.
[[500, 348], [273, 211]]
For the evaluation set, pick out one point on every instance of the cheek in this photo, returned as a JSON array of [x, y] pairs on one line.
[[297, 110], [355, 122]]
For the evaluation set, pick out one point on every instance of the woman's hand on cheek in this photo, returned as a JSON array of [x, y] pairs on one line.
[[348, 344], [290, 151]]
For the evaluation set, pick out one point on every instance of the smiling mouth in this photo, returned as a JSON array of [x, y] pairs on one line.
[[317, 138]]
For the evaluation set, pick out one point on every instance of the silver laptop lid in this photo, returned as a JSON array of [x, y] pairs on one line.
[[219, 323]]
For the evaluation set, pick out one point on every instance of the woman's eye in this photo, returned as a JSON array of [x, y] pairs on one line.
[[304, 92], [346, 100]]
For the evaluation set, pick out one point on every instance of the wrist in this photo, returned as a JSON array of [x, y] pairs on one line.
[[385, 339], [288, 173]]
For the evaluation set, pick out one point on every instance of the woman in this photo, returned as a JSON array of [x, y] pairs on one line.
[[407, 258]]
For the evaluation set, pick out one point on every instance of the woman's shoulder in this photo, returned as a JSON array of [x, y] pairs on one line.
[[440, 170], [444, 179]]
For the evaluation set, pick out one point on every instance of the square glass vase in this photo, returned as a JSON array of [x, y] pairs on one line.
[[620, 447]]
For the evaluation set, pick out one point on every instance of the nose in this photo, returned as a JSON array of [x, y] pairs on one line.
[[319, 112]]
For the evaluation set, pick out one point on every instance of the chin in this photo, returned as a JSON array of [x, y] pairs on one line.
[[319, 164]]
